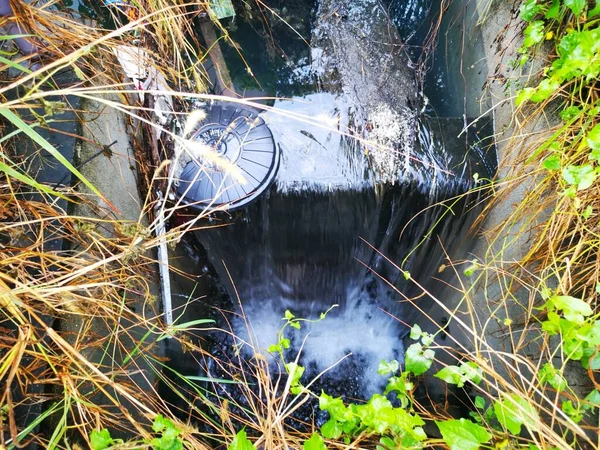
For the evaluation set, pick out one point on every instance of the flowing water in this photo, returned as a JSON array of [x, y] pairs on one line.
[[328, 232]]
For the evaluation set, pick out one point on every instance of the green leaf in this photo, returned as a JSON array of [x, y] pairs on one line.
[[574, 413], [472, 372], [515, 411], [552, 162], [576, 5], [594, 12], [160, 423], [570, 113], [334, 406], [468, 371], [241, 442], [427, 339], [332, 429], [549, 374], [479, 402], [524, 95], [534, 33], [417, 359], [314, 443], [582, 177], [400, 385], [38, 139], [295, 372], [415, 332], [587, 212], [165, 443], [592, 400], [386, 368], [574, 309], [387, 442], [529, 9], [463, 434], [545, 89], [99, 440], [274, 348], [553, 11], [170, 434], [288, 315], [450, 374], [593, 138]]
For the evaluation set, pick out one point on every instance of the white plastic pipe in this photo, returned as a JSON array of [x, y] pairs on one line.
[[163, 265]]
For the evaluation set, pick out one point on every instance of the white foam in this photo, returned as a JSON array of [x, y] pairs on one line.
[[359, 329]]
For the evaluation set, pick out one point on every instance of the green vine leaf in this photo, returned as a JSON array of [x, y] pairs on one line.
[[418, 360], [574, 413], [416, 332], [332, 429], [529, 9], [544, 90], [570, 113], [169, 439], [575, 310], [386, 368], [463, 434], [549, 374], [99, 440], [582, 177], [479, 402], [554, 10], [314, 443], [241, 442], [576, 6], [534, 34], [592, 401], [468, 371], [552, 163], [295, 372], [515, 411]]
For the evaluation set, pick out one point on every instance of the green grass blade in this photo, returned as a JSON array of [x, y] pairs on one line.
[[212, 380], [34, 423], [186, 325], [36, 137], [14, 65], [26, 179]]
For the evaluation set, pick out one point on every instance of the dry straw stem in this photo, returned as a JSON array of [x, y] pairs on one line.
[[513, 371], [94, 281]]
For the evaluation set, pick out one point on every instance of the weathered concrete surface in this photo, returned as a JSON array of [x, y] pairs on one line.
[[109, 164], [106, 159], [499, 303]]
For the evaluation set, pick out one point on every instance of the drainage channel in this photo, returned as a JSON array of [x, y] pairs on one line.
[[328, 229]]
